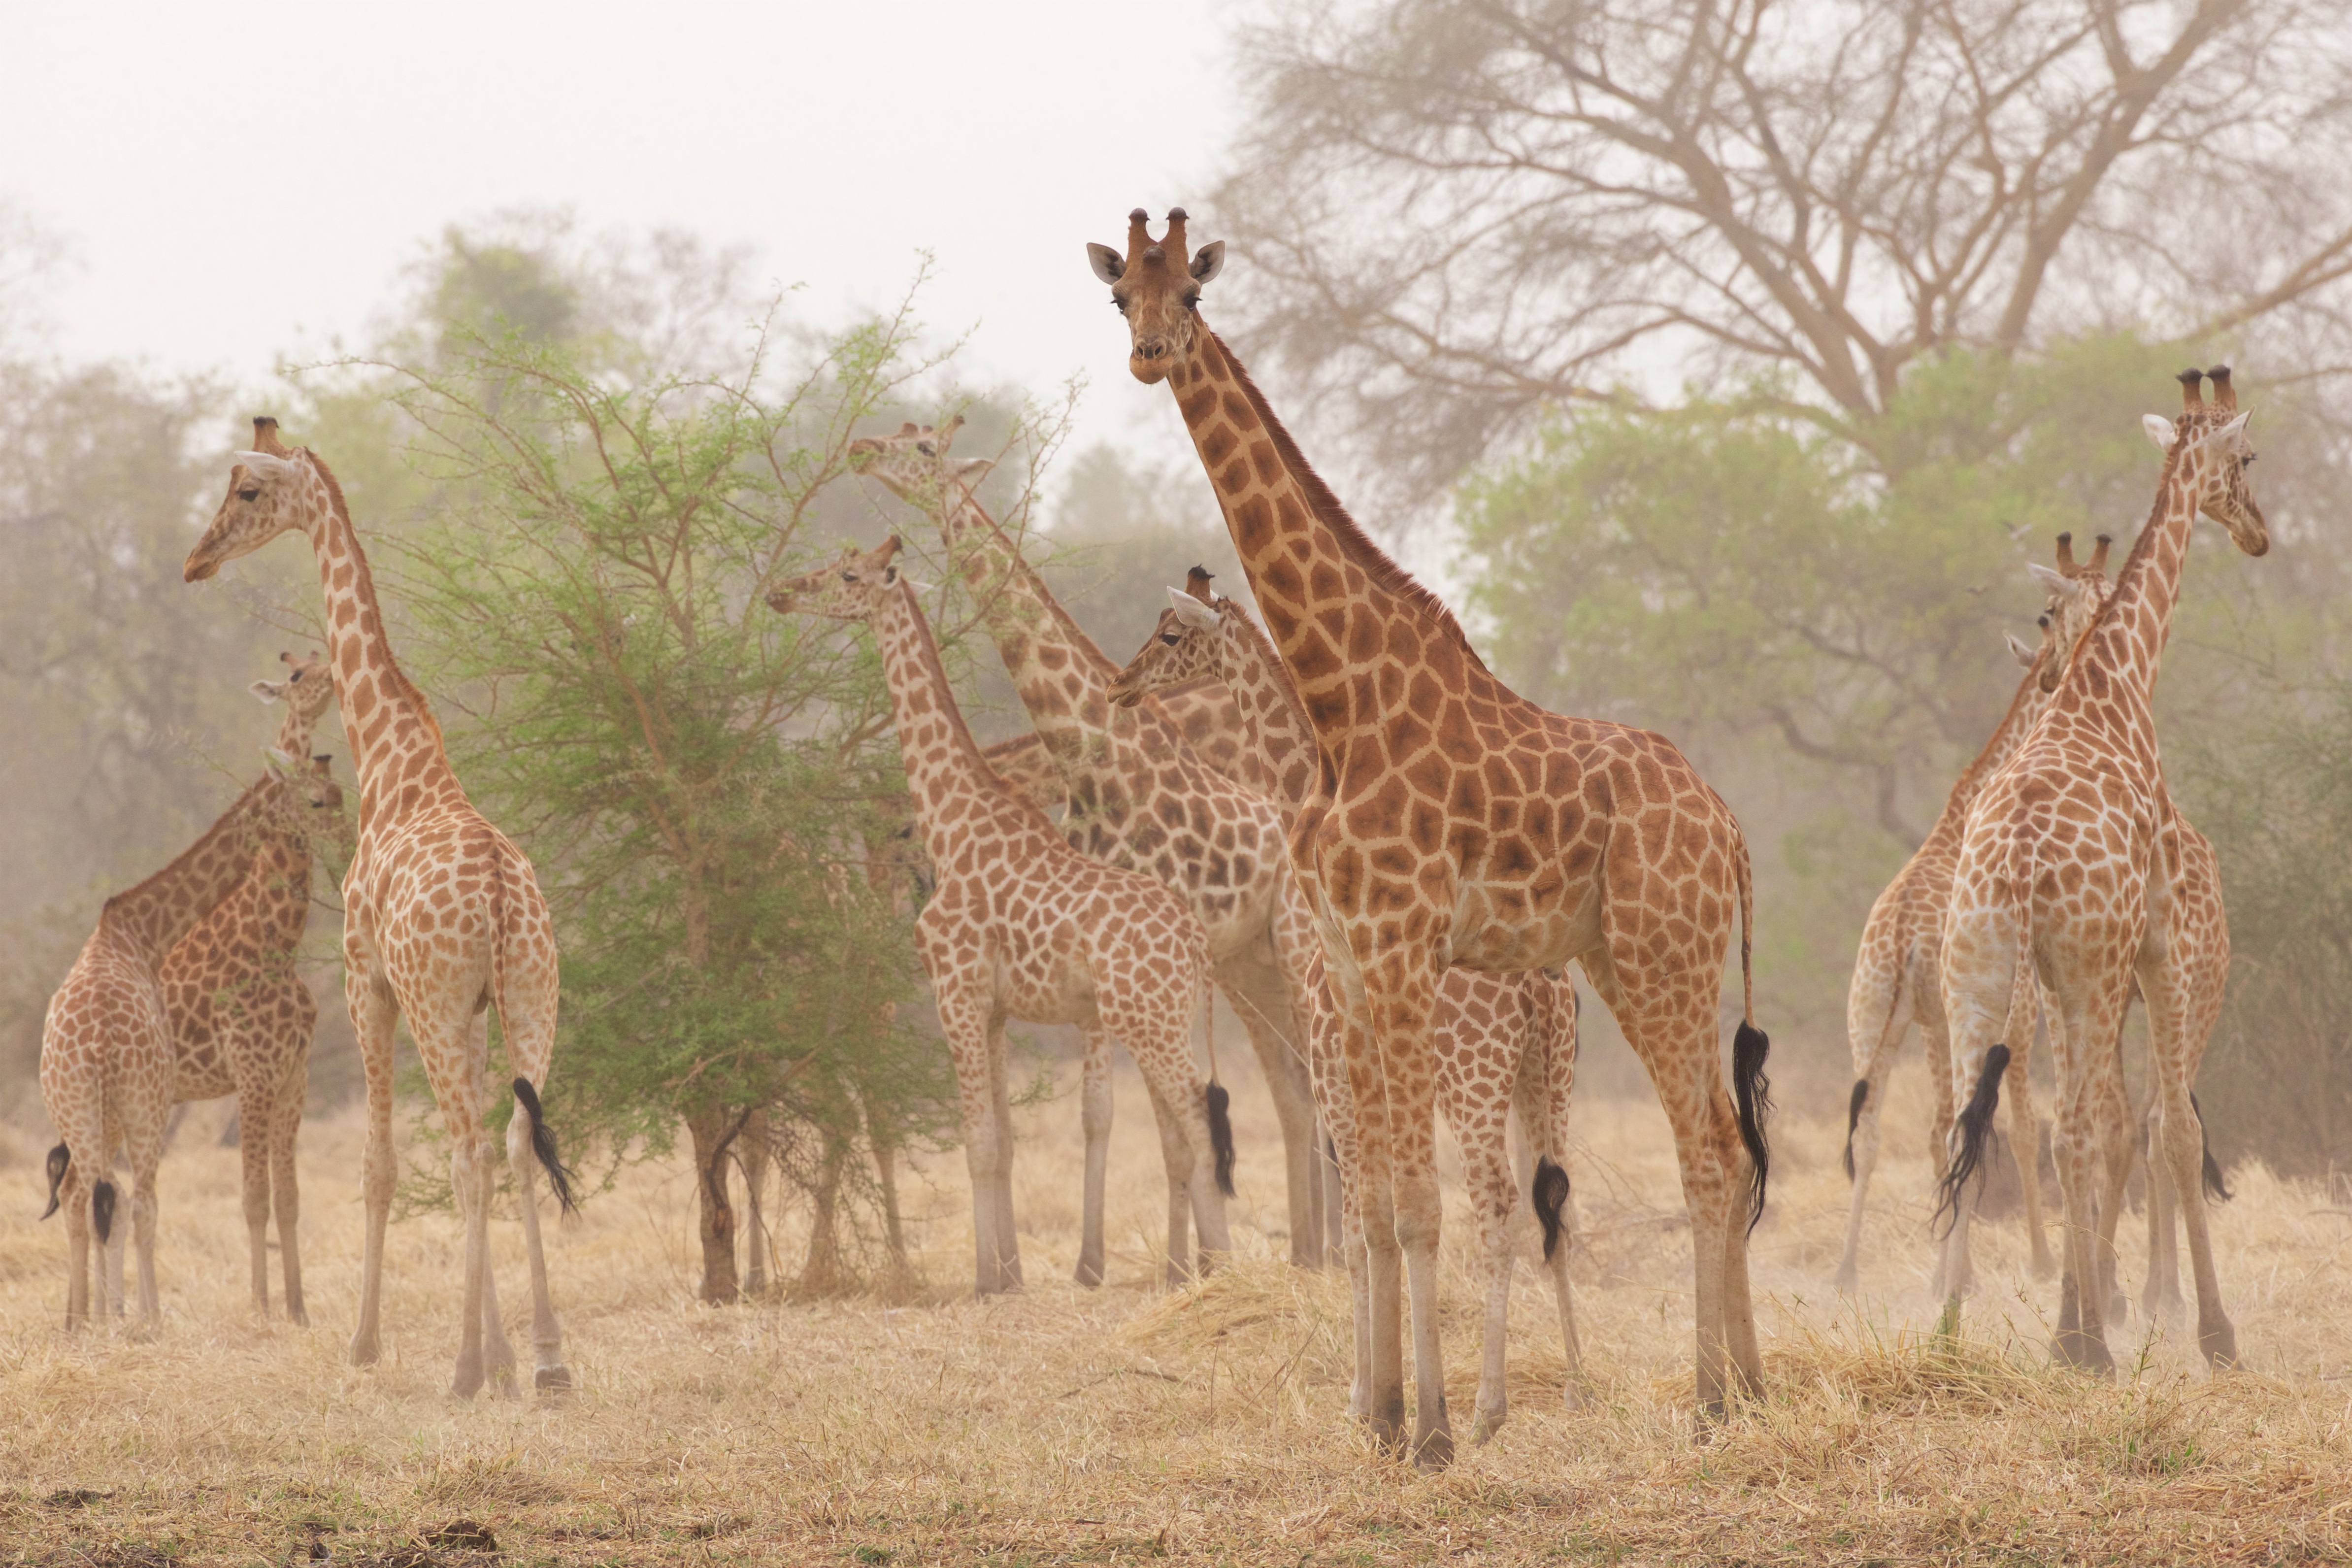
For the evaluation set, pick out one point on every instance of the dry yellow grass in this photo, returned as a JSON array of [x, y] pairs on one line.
[[1064, 1426]]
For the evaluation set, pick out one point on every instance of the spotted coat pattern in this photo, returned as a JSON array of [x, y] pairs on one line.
[[1139, 797], [443, 919], [1896, 978], [1021, 926], [1454, 822], [2068, 877], [242, 1018], [1499, 1040]]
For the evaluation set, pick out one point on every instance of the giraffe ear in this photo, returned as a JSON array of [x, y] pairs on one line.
[[970, 471], [2056, 581], [1208, 261], [269, 690], [1108, 263], [281, 765], [2230, 438], [2160, 430], [267, 466], [2019, 651], [1191, 612]]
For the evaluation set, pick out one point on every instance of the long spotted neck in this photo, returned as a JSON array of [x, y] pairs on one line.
[[951, 781], [1060, 674], [159, 911], [1357, 632], [2025, 709], [2125, 646], [395, 745], [1278, 743]]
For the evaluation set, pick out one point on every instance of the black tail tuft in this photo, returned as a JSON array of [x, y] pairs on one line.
[[1854, 1102], [102, 1211], [542, 1144], [1221, 1135], [2215, 1187], [59, 1157], [1551, 1197], [1976, 1126], [1753, 1092]]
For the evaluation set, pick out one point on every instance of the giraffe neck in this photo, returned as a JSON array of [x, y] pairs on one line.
[[952, 786], [1353, 627], [1278, 743], [396, 749], [2125, 646], [2025, 709], [1061, 675], [159, 911], [294, 733]]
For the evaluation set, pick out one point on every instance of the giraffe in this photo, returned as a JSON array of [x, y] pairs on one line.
[[443, 919], [1454, 822], [1139, 797], [2068, 879], [106, 1043], [241, 1018], [1501, 1040], [1894, 982], [1022, 926]]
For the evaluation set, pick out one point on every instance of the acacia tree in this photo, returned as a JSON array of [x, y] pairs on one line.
[[696, 781], [1459, 213]]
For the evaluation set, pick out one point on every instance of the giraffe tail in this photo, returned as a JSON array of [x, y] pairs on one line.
[[2215, 1187], [1974, 1128], [542, 1145], [1750, 1089], [1219, 1100], [59, 1157]]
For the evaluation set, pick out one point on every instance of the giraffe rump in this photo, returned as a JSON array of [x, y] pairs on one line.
[[58, 1158], [542, 1144], [1550, 1198], [1221, 1135], [1975, 1127], [1854, 1102], [1753, 1092]]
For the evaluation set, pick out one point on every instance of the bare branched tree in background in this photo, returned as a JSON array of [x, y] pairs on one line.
[[1459, 212]]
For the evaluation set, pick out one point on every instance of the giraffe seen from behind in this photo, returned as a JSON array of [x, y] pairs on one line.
[[442, 919], [2068, 878], [242, 1018], [1454, 822], [1021, 926], [1503, 1041], [1896, 983]]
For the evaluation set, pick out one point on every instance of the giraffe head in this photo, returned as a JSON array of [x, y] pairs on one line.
[[914, 465], [268, 493], [307, 688], [2078, 592], [1157, 287], [848, 590], [1183, 645], [2209, 444], [306, 805]]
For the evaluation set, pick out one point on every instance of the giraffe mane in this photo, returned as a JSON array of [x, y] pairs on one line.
[[2135, 563], [366, 577], [1354, 543]]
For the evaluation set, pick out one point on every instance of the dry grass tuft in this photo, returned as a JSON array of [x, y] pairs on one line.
[[1065, 1425]]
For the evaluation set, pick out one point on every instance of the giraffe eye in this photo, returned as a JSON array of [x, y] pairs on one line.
[[252, 494], [1171, 639], [926, 448], [1118, 304], [849, 576]]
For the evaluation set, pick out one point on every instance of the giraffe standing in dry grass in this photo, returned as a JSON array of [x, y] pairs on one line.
[[106, 1045], [1454, 822], [242, 1019], [2068, 875], [443, 919], [1896, 979], [1138, 798], [1021, 926], [1501, 1040]]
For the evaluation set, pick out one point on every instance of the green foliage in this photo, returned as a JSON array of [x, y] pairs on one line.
[[700, 781]]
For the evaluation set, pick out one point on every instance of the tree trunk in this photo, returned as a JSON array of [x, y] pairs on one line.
[[711, 1130], [821, 1272]]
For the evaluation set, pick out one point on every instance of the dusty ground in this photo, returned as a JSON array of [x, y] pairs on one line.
[[1124, 1423]]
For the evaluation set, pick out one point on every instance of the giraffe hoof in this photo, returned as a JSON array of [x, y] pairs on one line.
[[1849, 1279], [2219, 1345], [1485, 1423], [1433, 1450], [556, 1379], [364, 1352], [2085, 1353], [1572, 1396]]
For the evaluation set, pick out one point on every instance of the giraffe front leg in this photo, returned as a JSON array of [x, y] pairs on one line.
[[373, 1014], [1093, 1119], [285, 1194], [257, 1121]]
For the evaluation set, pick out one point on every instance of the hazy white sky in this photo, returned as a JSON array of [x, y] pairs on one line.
[[236, 184]]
